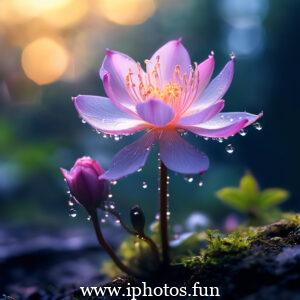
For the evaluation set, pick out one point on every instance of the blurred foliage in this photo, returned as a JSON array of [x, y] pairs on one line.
[[259, 205]]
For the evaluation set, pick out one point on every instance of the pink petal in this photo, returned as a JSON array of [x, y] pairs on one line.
[[217, 88], [117, 66], [101, 114], [179, 156], [203, 115], [171, 54], [155, 112], [205, 70], [130, 158], [224, 124]]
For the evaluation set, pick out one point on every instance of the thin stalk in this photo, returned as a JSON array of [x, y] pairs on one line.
[[108, 248], [141, 236], [163, 219]]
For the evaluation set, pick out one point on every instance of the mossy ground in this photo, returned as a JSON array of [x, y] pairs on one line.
[[250, 263]]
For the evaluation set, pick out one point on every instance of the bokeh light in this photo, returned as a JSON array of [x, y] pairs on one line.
[[44, 60], [127, 12], [67, 15]]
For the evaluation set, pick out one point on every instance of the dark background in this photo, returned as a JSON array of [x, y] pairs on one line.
[[40, 130]]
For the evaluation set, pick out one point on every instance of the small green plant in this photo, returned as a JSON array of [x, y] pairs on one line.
[[261, 206]]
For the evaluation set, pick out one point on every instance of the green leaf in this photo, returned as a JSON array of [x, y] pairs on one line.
[[271, 197], [234, 197], [249, 186]]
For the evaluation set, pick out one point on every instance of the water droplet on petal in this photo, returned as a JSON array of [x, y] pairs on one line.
[[70, 203], [229, 149], [83, 121], [243, 132], [140, 170], [114, 182], [145, 185], [257, 126], [206, 138]]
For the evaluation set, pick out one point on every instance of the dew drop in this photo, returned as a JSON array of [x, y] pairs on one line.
[[189, 179], [88, 218], [243, 132], [116, 138], [112, 206], [257, 126], [103, 221], [70, 203], [206, 138], [114, 182], [145, 185], [117, 222], [229, 149], [110, 196], [105, 136], [168, 195], [140, 170], [200, 184], [106, 215], [72, 213], [157, 217], [83, 121], [220, 140]]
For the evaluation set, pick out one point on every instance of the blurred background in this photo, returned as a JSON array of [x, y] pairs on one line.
[[52, 50]]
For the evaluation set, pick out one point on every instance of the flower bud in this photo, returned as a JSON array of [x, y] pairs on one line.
[[137, 218], [85, 185]]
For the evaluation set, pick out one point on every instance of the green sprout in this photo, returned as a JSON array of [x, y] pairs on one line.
[[261, 206]]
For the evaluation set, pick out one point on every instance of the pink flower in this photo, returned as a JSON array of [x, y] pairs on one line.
[[168, 97], [85, 185]]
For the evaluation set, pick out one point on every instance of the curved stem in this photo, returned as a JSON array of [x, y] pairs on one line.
[[142, 236], [107, 247], [163, 220]]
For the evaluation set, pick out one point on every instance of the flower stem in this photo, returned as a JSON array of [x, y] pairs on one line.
[[163, 220], [141, 236], [107, 247]]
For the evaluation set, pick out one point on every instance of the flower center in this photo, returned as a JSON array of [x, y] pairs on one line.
[[178, 92]]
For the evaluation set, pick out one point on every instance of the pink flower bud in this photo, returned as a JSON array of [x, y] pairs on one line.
[[85, 185]]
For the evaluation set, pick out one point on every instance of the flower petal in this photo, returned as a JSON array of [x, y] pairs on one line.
[[117, 65], [180, 156], [171, 54], [205, 70], [131, 157], [101, 114], [155, 112], [217, 88], [203, 115], [224, 124]]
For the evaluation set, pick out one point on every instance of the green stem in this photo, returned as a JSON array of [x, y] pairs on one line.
[[141, 236], [163, 219]]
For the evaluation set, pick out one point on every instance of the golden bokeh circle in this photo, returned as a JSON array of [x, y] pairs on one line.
[[44, 60]]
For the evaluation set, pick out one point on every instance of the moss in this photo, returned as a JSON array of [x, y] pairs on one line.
[[215, 247], [222, 247]]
